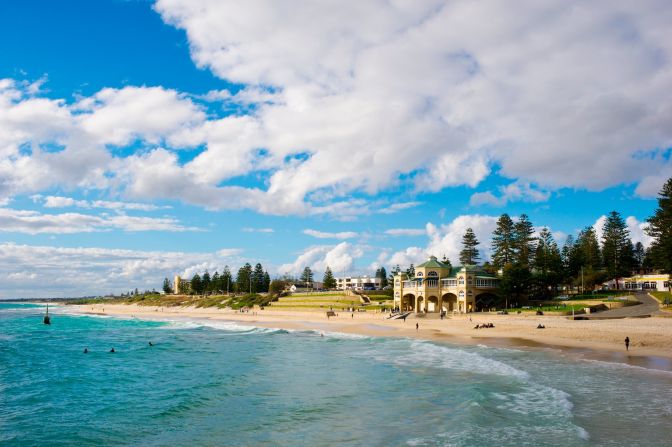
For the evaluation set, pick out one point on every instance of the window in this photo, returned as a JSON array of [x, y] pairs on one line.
[[461, 293], [418, 274], [432, 273], [469, 280], [666, 284], [461, 280]]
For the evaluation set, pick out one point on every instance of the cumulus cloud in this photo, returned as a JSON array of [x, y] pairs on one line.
[[447, 240], [513, 192], [45, 271], [327, 235], [507, 87], [361, 97], [340, 258], [34, 222], [406, 231], [69, 202], [636, 228]]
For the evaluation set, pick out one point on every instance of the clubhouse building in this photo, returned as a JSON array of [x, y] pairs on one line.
[[438, 287]]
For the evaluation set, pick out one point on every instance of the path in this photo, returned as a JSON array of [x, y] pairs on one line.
[[649, 306]]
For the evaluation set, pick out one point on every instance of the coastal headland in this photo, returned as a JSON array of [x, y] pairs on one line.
[[651, 338]]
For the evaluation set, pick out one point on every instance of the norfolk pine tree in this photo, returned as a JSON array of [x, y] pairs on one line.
[[328, 281], [660, 229], [469, 253]]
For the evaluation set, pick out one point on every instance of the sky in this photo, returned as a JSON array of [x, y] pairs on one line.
[[139, 140]]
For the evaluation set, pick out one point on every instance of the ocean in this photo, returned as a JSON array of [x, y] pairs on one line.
[[206, 383]]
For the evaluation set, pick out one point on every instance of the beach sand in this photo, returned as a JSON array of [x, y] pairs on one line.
[[650, 346]]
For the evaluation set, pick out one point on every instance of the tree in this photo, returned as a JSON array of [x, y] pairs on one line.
[[381, 273], [216, 283], [267, 282], [307, 276], [503, 241], [258, 279], [227, 280], [523, 241], [277, 286], [410, 271], [588, 252], [196, 284], [244, 279], [548, 264], [328, 281], [617, 250], [469, 253], [638, 255], [515, 283], [660, 229], [167, 288], [207, 282]]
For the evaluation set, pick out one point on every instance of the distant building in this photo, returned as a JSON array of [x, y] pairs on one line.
[[640, 282], [438, 287], [181, 285], [358, 283], [303, 287]]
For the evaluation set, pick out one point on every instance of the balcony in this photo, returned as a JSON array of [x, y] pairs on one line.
[[448, 283]]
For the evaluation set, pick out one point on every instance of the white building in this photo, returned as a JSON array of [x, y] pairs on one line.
[[641, 282], [358, 283]]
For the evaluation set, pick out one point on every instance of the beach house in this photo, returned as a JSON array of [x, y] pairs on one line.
[[438, 287]]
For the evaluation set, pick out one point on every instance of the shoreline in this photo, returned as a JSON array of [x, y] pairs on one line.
[[600, 340]]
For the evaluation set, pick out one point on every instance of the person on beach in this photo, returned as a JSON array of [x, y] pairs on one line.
[[627, 343], [417, 327]]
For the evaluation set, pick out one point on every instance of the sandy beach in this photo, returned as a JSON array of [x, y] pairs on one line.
[[651, 338]]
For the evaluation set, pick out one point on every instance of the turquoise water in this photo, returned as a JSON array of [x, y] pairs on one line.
[[218, 383]]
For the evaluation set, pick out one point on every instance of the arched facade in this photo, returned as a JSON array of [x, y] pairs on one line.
[[438, 287]]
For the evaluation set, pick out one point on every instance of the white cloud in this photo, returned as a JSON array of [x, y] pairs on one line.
[[354, 98], [447, 240], [513, 192], [507, 86], [34, 222], [340, 258], [406, 231], [635, 227], [258, 230], [69, 202], [326, 235], [44, 271]]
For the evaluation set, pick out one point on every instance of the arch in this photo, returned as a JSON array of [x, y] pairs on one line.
[[488, 300], [432, 273], [407, 302], [418, 274], [432, 304], [420, 304], [448, 302]]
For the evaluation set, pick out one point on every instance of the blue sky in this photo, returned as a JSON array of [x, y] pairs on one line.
[[139, 139]]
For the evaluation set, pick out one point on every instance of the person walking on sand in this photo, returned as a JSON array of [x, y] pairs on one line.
[[627, 343], [417, 326]]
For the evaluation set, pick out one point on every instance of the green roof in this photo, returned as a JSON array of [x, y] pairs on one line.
[[433, 263]]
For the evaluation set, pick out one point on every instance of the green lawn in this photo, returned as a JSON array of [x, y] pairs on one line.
[[660, 296]]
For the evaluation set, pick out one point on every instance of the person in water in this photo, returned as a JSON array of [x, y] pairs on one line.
[[86, 350], [627, 343], [151, 344], [112, 350]]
